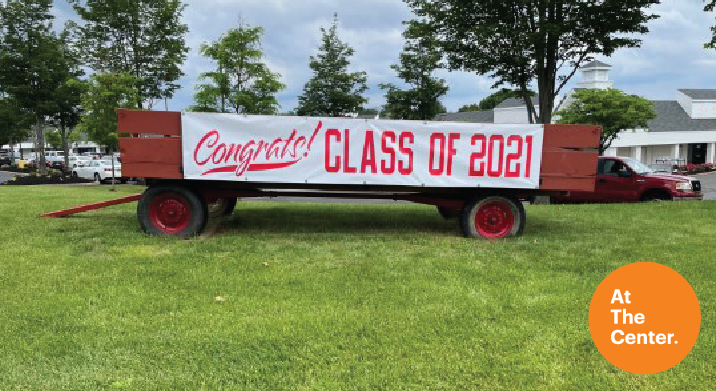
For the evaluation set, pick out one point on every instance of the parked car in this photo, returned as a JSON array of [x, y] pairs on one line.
[[92, 155], [79, 160], [621, 179], [55, 159], [5, 159], [99, 170]]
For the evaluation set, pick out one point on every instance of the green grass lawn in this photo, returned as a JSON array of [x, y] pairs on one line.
[[330, 297]]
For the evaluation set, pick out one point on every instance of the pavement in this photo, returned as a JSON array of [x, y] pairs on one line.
[[708, 184], [6, 176]]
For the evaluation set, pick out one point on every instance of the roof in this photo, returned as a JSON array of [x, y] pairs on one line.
[[597, 64], [517, 102], [480, 117], [671, 117], [699, 94]]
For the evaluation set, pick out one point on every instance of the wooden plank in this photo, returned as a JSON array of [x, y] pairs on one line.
[[165, 123], [99, 205], [571, 136], [162, 150], [569, 163], [563, 183], [151, 157], [152, 170]]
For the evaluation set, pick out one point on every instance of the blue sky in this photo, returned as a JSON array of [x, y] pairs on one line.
[[671, 57]]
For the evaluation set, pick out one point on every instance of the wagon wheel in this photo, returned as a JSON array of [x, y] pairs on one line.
[[172, 211], [222, 207], [448, 213], [493, 217]]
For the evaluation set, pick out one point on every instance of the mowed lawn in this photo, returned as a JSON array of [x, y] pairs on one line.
[[330, 297]]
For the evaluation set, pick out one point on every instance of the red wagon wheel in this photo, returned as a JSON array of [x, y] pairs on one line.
[[172, 211], [493, 217]]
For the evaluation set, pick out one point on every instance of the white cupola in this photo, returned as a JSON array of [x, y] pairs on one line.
[[595, 75]]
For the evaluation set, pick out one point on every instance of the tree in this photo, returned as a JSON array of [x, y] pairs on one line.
[[419, 59], [55, 138], [332, 91], [105, 93], [241, 80], [518, 42], [708, 8], [142, 37], [30, 57], [614, 110], [470, 107], [15, 122], [494, 100], [68, 97]]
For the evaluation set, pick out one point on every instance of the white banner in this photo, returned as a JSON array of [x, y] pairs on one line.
[[273, 149]]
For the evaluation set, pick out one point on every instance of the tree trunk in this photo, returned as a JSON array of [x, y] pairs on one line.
[[528, 101], [546, 105], [111, 156], [65, 145], [40, 150]]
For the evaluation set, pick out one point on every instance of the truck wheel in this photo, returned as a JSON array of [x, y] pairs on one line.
[[172, 212], [493, 217], [448, 213], [656, 195]]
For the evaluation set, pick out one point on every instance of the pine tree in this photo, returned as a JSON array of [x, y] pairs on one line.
[[242, 80], [418, 61], [332, 91]]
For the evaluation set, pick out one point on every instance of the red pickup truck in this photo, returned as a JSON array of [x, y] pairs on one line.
[[621, 179]]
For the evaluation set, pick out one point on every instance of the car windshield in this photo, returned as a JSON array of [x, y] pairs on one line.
[[108, 162], [638, 166]]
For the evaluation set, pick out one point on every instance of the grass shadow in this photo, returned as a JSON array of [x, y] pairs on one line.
[[339, 219]]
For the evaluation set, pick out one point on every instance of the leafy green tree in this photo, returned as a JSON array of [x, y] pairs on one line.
[[611, 108], [105, 93], [15, 122], [142, 37], [494, 100], [709, 8], [31, 62], [68, 97], [419, 59], [332, 91], [470, 107], [518, 42], [242, 80], [55, 138]]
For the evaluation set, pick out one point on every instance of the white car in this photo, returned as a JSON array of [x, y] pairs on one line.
[[76, 161], [99, 170]]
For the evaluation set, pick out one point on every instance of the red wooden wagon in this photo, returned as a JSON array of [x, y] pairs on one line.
[[478, 173]]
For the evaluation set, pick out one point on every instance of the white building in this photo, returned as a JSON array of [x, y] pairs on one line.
[[28, 146], [683, 132]]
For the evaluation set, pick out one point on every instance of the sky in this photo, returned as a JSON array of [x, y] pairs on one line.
[[672, 55]]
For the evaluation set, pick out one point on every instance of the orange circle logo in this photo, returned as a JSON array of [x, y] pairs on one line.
[[644, 318]]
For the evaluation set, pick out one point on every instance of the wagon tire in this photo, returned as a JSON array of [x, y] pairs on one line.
[[172, 212], [230, 206], [493, 217], [448, 214], [222, 207]]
